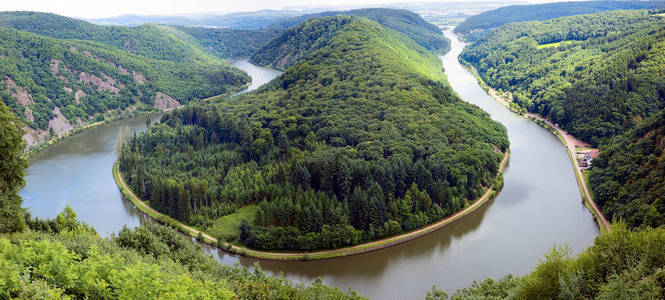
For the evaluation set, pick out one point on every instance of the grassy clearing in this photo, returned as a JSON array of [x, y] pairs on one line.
[[228, 226], [552, 45]]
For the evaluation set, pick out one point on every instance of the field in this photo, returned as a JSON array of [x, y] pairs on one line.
[[228, 226]]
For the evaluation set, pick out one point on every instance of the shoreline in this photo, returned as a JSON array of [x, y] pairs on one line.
[[48, 143], [598, 216], [489, 194]]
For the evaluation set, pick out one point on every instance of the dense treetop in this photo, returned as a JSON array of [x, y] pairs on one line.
[[474, 26], [361, 138], [628, 177], [410, 24], [12, 165], [595, 75], [230, 43]]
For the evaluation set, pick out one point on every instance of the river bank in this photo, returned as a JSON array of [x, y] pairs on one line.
[[490, 193], [568, 141]]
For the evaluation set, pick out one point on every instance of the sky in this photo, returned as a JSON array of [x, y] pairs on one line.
[[88, 9]]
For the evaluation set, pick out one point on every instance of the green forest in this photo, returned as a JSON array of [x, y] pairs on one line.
[[621, 264], [628, 177], [360, 139], [65, 259], [595, 75], [475, 26], [84, 79], [410, 24]]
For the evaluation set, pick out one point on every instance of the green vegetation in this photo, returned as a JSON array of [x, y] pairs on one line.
[[12, 165], [230, 43], [475, 26], [360, 139], [65, 259], [628, 175], [53, 84], [400, 20], [228, 227], [604, 77], [622, 264]]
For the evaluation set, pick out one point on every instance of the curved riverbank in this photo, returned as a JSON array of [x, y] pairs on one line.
[[489, 194], [561, 134]]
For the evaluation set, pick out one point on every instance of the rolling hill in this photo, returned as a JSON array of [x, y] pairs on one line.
[[595, 75], [474, 26], [56, 84], [360, 139], [400, 20]]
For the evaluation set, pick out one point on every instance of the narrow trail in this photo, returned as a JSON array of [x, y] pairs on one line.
[[324, 254]]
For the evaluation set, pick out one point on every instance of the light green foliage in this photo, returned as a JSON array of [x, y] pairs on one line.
[[601, 74], [362, 130], [622, 264], [228, 227], [149, 262]]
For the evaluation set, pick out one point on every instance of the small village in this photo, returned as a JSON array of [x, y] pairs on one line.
[[585, 157]]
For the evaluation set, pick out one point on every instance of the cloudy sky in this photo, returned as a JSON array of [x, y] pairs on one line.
[[107, 8]]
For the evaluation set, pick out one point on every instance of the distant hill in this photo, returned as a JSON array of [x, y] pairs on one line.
[[595, 75], [474, 26], [400, 20], [178, 44], [361, 138], [628, 177], [241, 20], [83, 74]]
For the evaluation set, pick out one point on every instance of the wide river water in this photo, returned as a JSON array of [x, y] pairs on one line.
[[540, 206]]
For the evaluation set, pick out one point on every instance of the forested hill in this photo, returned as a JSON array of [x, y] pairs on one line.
[[595, 75], [173, 43], [628, 177], [63, 258], [361, 139], [411, 24], [55, 85], [474, 26]]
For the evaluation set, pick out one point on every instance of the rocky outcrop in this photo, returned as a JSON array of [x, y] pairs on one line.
[[164, 101], [106, 84], [22, 97]]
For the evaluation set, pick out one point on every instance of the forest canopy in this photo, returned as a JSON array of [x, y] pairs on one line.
[[361, 138], [595, 75], [475, 26]]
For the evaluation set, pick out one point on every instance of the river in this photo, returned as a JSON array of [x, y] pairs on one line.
[[540, 206]]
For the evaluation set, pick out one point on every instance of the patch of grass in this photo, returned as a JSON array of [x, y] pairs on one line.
[[228, 226], [551, 45]]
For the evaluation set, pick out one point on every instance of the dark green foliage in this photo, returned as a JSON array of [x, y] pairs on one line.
[[12, 166], [475, 26], [595, 75], [628, 177], [231, 43], [401, 20], [359, 140], [621, 264]]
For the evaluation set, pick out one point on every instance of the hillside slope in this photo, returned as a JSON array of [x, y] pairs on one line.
[[361, 139], [53, 85], [595, 75], [474, 26], [401, 20], [628, 177], [173, 43]]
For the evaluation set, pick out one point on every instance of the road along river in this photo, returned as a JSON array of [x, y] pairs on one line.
[[539, 206]]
